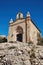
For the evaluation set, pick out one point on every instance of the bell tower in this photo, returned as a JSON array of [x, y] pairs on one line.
[[19, 15]]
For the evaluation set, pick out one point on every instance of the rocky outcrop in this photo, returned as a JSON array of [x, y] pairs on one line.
[[18, 53]]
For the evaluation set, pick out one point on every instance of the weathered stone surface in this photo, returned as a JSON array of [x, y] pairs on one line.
[[19, 54]]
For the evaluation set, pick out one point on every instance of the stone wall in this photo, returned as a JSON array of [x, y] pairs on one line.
[[33, 32]]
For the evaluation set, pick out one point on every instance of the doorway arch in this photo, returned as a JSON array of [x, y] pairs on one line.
[[19, 34]]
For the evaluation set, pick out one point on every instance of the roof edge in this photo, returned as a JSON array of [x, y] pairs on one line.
[[35, 26]]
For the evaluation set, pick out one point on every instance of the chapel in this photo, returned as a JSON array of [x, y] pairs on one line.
[[23, 29]]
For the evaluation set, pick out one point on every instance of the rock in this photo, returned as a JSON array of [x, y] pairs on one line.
[[18, 53], [27, 62], [41, 55]]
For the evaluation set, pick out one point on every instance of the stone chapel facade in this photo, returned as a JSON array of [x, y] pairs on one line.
[[23, 29]]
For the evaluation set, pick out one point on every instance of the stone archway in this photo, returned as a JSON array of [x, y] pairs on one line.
[[19, 35]]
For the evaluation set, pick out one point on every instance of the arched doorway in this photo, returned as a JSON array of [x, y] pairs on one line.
[[19, 34]]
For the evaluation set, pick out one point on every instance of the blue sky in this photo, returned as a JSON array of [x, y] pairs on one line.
[[9, 9]]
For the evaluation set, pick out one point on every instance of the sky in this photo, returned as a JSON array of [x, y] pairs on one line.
[[10, 8]]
